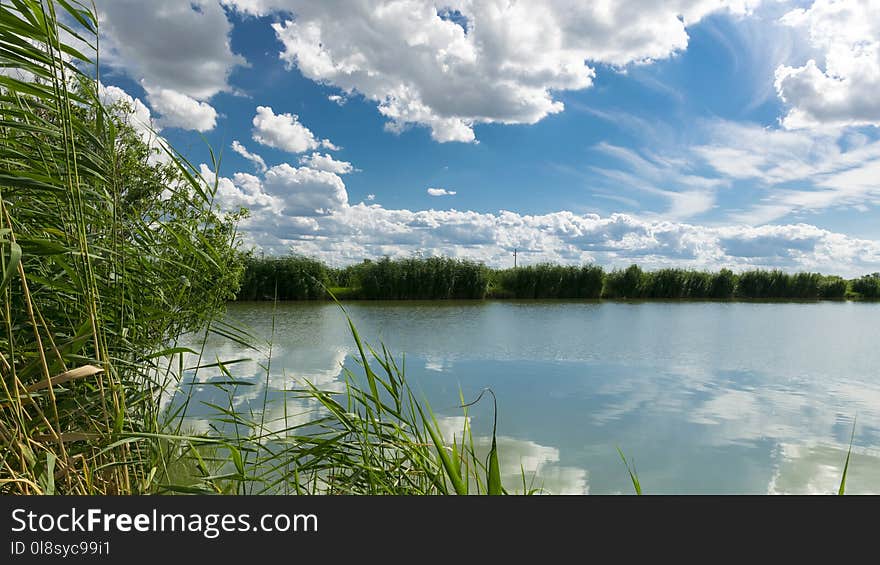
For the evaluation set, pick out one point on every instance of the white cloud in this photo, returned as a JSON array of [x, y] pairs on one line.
[[308, 210], [803, 170], [673, 179], [258, 161], [243, 190], [371, 197], [842, 89], [326, 162], [183, 46], [816, 468], [179, 110], [304, 191], [468, 62], [440, 192], [337, 99], [284, 131]]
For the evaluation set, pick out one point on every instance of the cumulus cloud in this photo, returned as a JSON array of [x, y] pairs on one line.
[[258, 161], [469, 62], [326, 162], [241, 191], [308, 210], [179, 110], [842, 88], [440, 192], [284, 131], [304, 191], [182, 46]]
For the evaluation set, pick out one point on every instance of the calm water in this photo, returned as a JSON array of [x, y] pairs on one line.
[[706, 397]]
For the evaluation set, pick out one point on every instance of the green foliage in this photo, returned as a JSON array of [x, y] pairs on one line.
[[550, 281], [842, 489], [867, 286], [631, 471], [373, 437], [777, 284], [756, 284], [627, 283], [285, 278], [109, 250], [831, 287], [303, 278], [438, 278], [421, 279]]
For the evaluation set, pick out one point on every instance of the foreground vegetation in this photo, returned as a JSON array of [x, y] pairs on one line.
[[111, 248], [434, 278]]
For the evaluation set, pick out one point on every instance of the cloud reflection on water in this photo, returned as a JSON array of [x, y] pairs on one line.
[[709, 397]]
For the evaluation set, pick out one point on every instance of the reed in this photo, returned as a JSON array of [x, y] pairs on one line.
[[429, 278], [440, 278], [867, 286], [111, 249], [549, 281]]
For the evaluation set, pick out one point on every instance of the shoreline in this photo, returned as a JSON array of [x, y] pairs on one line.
[[564, 300]]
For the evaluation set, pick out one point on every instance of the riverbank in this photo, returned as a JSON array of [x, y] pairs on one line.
[[444, 278]]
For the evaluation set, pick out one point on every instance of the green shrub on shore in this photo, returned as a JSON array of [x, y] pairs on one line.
[[440, 278], [867, 287], [549, 281], [286, 278], [431, 278]]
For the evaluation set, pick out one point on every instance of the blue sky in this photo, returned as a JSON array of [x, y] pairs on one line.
[[692, 133]]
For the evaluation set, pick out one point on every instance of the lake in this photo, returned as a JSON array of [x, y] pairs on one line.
[[705, 397]]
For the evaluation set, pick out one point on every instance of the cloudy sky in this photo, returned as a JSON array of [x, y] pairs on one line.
[[695, 133]]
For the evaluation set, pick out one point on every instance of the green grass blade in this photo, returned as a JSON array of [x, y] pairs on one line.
[[493, 479], [12, 265], [631, 469], [842, 489]]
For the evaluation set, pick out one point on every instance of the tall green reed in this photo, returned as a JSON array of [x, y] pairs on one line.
[[110, 249]]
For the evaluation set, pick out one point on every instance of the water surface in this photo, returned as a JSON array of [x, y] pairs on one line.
[[707, 397]]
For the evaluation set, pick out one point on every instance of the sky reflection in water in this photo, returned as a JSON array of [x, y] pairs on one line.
[[706, 397]]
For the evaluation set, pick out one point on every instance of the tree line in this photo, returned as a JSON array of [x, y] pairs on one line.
[[297, 277]]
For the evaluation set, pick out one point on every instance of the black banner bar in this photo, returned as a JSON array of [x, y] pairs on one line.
[[239, 529]]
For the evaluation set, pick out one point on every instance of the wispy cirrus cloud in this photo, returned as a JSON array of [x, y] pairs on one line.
[[803, 170], [672, 178]]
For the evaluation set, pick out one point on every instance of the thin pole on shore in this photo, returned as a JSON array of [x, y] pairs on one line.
[[514, 258]]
